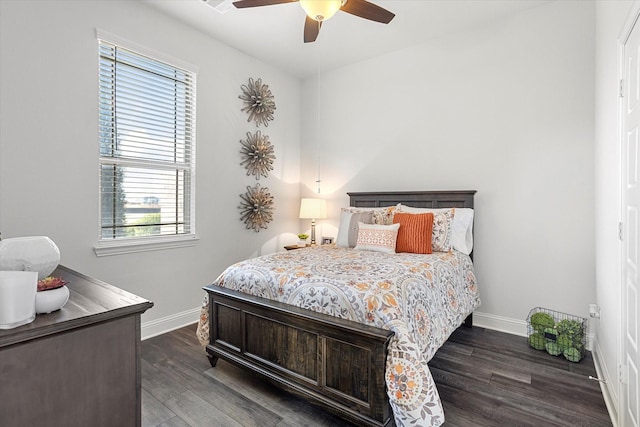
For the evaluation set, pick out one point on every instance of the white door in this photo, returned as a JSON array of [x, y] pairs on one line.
[[630, 357]]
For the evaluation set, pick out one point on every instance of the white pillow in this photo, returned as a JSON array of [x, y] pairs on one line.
[[462, 230], [461, 226], [348, 228], [380, 238]]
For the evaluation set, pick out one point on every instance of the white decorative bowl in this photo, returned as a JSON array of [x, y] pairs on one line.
[[51, 299], [32, 253]]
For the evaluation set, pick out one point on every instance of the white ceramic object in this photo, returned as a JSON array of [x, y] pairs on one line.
[[17, 298], [51, 299], [31, 253], [302, 243]]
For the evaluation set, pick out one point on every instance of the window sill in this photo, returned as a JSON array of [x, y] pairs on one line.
[[119, 247]]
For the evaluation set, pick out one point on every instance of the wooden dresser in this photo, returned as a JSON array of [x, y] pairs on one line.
[[78, 366]]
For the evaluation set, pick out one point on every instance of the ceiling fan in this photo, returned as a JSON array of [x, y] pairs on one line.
[[320, 10]]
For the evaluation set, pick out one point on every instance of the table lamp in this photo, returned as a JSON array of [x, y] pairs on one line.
[[313, 209]]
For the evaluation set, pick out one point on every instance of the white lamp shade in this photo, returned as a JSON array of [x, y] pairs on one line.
[[320, 10], [32, 253], [313, 208]]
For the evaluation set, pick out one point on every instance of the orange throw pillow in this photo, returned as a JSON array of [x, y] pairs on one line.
[[414, 235]]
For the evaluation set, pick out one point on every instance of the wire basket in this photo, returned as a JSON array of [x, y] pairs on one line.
[[557, 333]]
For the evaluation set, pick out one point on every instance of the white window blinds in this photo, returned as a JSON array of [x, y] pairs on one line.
[[147, 146]]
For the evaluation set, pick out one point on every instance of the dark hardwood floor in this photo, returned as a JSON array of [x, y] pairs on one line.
[[485, 378]]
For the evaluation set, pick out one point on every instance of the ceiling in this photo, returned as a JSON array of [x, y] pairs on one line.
[[274, 33]]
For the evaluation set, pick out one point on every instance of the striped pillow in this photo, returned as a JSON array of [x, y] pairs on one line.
[[415, 233]]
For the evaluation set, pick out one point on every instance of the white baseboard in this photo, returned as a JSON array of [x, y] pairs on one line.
[[608, 392], [499, 323], [169, 323], [483, 320], [175, 321]]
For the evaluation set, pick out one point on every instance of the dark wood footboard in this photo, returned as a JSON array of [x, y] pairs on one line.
[[334, 363]]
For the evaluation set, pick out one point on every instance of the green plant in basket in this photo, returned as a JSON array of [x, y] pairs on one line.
[[564, 342], [553, 348], [551, 333], [539, 321], [537, 341], [578, 345], [571, 328], [572, 354]]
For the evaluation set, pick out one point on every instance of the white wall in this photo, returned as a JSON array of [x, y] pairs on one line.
[[49, 147], [505, 109], [611, 17]]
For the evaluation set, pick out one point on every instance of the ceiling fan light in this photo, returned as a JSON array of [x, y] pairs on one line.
[[321, 10]]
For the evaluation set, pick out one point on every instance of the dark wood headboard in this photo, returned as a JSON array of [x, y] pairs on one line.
[[418, 199]]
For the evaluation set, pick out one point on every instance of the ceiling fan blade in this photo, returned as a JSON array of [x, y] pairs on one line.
[[366, 10], [311, 29], [255, 3]]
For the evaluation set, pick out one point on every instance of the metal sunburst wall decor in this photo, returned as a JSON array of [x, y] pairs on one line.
[[256, 207], [258, 102], [257, 154]]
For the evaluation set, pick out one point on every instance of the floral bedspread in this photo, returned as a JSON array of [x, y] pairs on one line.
[[422, 298]]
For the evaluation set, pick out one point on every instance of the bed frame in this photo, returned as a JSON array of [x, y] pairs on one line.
[[334, 363]]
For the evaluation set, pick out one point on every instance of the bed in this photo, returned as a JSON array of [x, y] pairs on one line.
[[349, 330]]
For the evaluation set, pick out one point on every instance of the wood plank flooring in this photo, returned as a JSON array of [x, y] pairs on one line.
[[485, 378]]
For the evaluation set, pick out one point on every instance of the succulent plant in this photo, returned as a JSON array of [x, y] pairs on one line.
[[50, 282]]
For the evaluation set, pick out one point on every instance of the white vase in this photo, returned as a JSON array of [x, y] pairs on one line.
[[302, 244], [17, 298], [31, 253], [51, 299]]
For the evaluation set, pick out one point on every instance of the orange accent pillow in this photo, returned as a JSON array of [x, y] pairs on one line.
[[414, 235]]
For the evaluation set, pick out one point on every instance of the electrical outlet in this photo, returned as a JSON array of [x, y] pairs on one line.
[[594, 311]]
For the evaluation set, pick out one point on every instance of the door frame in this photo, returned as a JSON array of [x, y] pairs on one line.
[[632, 20]]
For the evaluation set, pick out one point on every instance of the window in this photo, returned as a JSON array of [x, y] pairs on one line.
[[147, 148]]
